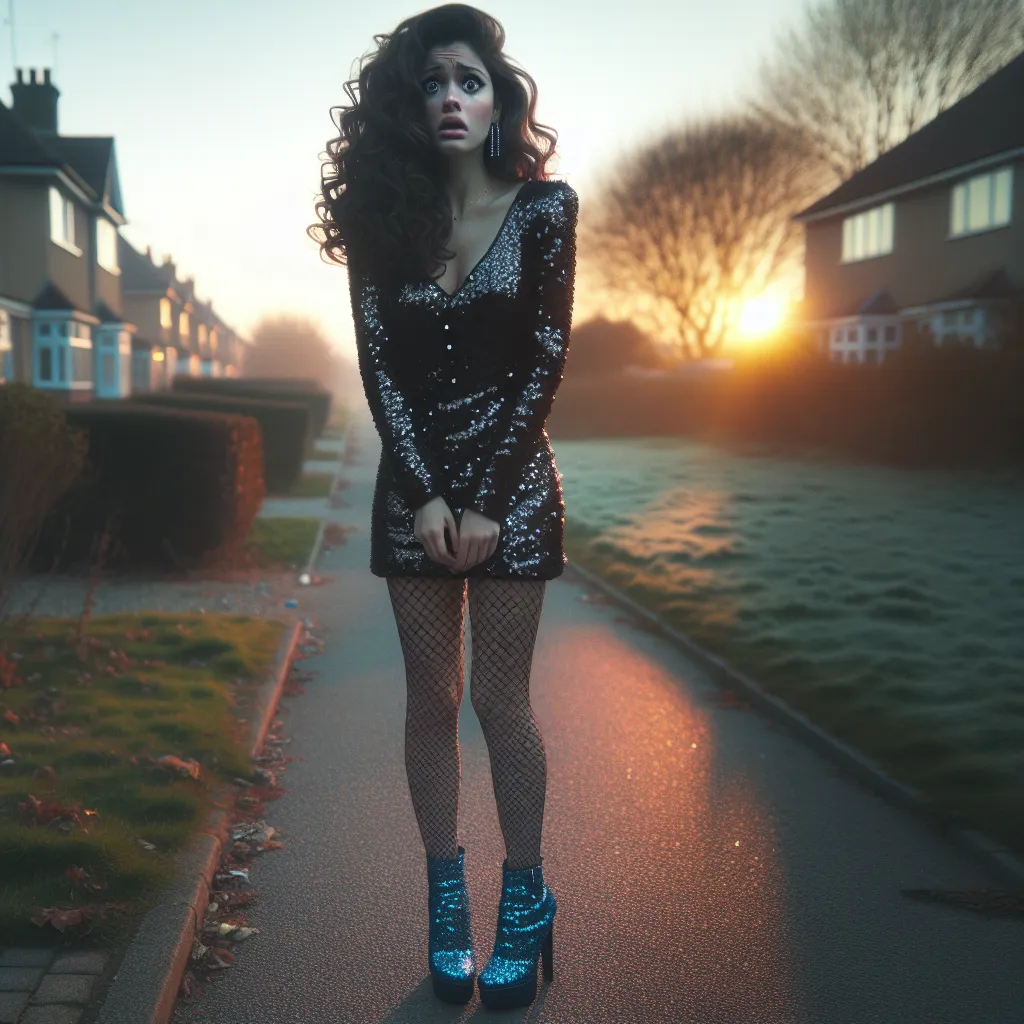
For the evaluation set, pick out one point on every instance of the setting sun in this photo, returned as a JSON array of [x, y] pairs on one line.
[[761, 317]]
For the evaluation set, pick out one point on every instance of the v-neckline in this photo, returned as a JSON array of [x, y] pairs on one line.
[[494, 242]]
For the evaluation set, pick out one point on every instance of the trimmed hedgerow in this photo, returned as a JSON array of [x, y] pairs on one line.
[[163, 488]]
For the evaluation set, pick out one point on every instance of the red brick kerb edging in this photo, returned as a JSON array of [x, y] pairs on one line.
[[986, 851]]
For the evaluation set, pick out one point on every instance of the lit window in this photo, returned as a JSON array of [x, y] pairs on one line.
[[165, 313], [868, 234], [183, 324], [202, 334], [982, 202], [106, 246]]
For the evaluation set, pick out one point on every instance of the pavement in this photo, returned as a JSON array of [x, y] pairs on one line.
[[708, 866]]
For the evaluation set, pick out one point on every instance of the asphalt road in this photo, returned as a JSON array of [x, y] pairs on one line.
[[708, 867]]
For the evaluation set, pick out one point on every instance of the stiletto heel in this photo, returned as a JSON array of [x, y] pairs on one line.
[[525, 931], [451, 939]]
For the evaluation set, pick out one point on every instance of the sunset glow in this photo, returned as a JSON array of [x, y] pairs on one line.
[[761, 317]]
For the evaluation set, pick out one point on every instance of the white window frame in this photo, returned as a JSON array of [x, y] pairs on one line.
[[869, 234], [981, 203], [106, 246], [62, 221]]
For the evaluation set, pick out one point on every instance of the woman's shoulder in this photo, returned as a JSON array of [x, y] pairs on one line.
[[552, 199]]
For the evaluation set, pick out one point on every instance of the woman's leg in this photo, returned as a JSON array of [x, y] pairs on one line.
[[504, 616], [430, 615]]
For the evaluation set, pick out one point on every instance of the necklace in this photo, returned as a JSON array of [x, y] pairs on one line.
[[475, 201]]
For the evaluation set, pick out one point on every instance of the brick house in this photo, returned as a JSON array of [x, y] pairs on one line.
[[928, 240], [62, 323]]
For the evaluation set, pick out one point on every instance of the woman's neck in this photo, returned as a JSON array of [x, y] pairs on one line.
[[467, 182]]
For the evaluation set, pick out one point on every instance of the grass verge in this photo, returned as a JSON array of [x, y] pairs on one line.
[[116, 744], [312, 485], [286, 541], [966, 762]]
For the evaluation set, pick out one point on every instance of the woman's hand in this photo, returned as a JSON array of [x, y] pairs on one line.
[[476, 541], [431, 521]]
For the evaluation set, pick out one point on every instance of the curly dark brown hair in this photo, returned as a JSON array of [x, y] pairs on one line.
[[383, 196]]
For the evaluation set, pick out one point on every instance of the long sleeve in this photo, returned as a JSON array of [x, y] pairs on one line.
[[550, 259], [392, 410]]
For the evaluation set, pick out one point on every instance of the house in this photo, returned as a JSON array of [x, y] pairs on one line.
[[928, 240], [62, 322]]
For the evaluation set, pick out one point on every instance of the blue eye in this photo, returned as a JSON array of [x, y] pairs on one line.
[[469, 78]]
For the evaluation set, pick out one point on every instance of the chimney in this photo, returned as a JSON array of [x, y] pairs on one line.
[[35, 102], [149, 253]]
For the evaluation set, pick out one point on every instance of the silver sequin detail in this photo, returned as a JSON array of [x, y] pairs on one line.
[[461, 385]]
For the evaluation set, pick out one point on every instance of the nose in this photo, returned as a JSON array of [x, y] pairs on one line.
[[450, 97]]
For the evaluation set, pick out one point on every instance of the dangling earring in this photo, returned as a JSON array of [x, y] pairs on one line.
[[495, 139]]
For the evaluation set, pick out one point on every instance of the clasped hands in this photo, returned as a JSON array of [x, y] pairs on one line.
[[474, 542]]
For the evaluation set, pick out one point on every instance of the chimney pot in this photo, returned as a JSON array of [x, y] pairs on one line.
[[46, 75], [149, 253], [32, 76], [21, 76]]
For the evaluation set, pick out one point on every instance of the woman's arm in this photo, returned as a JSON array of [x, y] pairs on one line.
[[550, 240], [391, 409]]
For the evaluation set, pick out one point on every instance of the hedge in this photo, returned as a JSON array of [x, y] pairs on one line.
[[285, 427], [171, 489], [272, 388]]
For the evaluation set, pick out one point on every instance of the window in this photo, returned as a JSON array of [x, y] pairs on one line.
[[6, 358], [213, 341], [183, 324], [982, 202], [106, 245], [872, 334], [202, 334], [81, 364], [62, 221], [890, 333], [165, 313], [868, 234], [851, 333]]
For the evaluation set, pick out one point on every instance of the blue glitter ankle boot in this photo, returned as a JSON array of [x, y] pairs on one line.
[[526, 922], [451, 941]]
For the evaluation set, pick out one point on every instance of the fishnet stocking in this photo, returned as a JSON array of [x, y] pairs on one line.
[[504, 616]]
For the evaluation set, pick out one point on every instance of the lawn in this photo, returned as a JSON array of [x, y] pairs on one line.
[[312, 485], [285, 541], [114, 746]]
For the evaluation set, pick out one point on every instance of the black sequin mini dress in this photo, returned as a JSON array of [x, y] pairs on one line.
[[460, 385]]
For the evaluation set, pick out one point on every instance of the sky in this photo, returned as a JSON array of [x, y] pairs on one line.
[[220, 110]]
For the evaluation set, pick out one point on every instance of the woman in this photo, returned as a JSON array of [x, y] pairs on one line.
[[461, 261]]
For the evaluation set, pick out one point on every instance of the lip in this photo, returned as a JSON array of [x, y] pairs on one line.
[[453, 127]]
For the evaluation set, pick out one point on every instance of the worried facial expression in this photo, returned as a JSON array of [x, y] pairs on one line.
[[457, 89]]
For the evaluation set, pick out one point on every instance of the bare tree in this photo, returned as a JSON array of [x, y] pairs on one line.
[[697, 222], [862, 75]]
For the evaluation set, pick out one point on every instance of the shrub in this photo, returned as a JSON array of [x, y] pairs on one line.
[[286, 389], [177, 488], [41, 456], [285, 427]]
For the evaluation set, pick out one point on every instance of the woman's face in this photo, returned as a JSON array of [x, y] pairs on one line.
[[456, 85]]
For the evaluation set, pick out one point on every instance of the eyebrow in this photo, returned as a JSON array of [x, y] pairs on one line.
[[463, 67]]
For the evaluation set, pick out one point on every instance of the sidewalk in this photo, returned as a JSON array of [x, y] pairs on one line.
[[708, 867]]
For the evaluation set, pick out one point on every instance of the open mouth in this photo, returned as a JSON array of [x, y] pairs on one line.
[[453, 126]]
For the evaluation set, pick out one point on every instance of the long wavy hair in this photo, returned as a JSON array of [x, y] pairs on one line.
[[383, 193]]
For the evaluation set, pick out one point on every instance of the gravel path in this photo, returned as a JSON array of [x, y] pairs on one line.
[[264, 595]]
